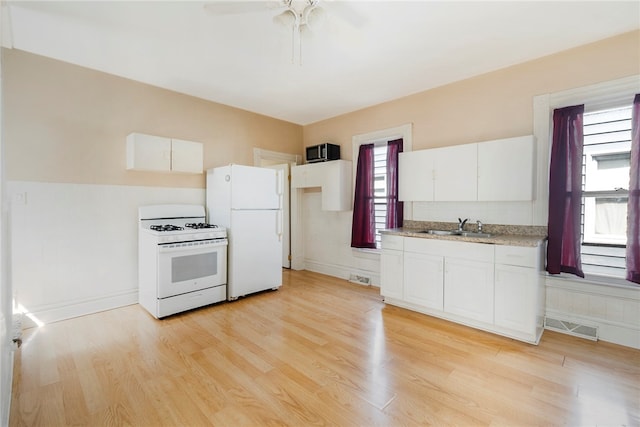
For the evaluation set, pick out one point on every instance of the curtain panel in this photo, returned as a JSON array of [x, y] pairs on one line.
[[363, 230], [565, 192], [395, 208], [633, 208]]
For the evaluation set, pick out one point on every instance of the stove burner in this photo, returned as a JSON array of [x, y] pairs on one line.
[[200, 225], [166, 227]]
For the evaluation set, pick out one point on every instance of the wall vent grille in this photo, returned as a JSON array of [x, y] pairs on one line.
[[361, 280], [571, 328]]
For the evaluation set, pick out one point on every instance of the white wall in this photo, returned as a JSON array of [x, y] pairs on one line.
[[6, 315], [327, 243], [75, 246]]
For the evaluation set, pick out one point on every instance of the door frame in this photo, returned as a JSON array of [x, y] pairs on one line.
[[262, 158]]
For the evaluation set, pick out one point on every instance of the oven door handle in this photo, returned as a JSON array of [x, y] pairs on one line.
[[189, 246]]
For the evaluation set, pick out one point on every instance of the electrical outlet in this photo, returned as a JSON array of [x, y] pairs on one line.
[[20, 198]]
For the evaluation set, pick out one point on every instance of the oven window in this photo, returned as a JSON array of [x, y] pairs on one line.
[[191, 267]]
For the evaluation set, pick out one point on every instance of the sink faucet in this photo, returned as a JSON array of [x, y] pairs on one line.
[[461, 223], [479, 224]]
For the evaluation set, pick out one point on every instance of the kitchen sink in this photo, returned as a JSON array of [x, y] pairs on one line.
[[442, 232], [472, 234], [456, 233]]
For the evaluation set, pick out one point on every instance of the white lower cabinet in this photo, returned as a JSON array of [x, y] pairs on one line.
[[423, 280], [469, 289], [491, 287], [519, 291], [514, 291], [391, 267]]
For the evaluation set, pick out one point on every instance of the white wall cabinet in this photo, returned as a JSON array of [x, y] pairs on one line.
[[491, 287], [186, 156], [439, 174], [148, 152], [160, 154], [500, 170], [455, 173], [505, 169], [415, 175], [334, 179]]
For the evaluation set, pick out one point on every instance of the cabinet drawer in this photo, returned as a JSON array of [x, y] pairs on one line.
[[392, 242], [448, 248], [518, 255]]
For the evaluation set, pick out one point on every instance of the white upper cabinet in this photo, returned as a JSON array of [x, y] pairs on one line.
[[500, 170], [455, 173], [161, 154], [334, 179], [148, 152], [186, 156], [415, 175], [505, 169], [439, 174]]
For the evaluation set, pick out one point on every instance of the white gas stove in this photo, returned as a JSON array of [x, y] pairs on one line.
[[182, 261]]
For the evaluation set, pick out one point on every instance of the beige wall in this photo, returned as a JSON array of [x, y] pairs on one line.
[[490, 106], [68, 124]]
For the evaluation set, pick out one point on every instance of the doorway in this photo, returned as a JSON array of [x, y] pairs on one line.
[[281, 162]]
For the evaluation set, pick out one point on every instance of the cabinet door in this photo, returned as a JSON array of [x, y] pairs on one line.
[[391, 274], [468, 289], [424, 279], [148, 153], [505, 169], [186, 156], [516, 298], [456, 173], [415, 176]]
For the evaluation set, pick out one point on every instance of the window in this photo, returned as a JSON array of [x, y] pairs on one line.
[[376, 205], [380, 188], [605, 183]]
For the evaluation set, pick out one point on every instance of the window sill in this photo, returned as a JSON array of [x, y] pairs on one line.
[[366, 253], [595, 279]]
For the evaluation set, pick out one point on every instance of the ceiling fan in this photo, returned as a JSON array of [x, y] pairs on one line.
[[302, 16]]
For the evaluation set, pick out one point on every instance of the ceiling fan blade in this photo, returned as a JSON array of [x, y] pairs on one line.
[[239, 7]]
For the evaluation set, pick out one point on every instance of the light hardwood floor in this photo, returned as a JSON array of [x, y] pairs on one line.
[[319, 351]]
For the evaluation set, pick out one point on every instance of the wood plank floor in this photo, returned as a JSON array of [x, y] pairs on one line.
[[319, 351]]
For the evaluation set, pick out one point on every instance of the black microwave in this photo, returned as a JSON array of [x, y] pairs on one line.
[[323, 153]]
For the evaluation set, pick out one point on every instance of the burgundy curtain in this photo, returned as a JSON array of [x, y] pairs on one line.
[[363, 227], [395, 209], [633, 210], [565, 192]]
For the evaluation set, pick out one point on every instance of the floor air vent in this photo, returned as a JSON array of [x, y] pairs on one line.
[[362, 280], [575, 329]]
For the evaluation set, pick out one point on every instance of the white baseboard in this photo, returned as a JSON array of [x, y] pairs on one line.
[[77, 308], [613, 309], [609, 331], [341, 271]]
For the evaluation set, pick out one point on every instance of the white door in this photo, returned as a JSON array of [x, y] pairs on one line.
[[254, 188], [283, 176]]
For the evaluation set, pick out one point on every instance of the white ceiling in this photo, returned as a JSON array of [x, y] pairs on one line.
[[364, 53]]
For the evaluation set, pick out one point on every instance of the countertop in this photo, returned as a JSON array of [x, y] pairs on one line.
[[529, 237]]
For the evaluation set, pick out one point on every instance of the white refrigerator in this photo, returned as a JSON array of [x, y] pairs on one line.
[[248, 202]]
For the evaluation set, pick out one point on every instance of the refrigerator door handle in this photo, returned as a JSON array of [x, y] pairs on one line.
[[279, 185], [279, 225]]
